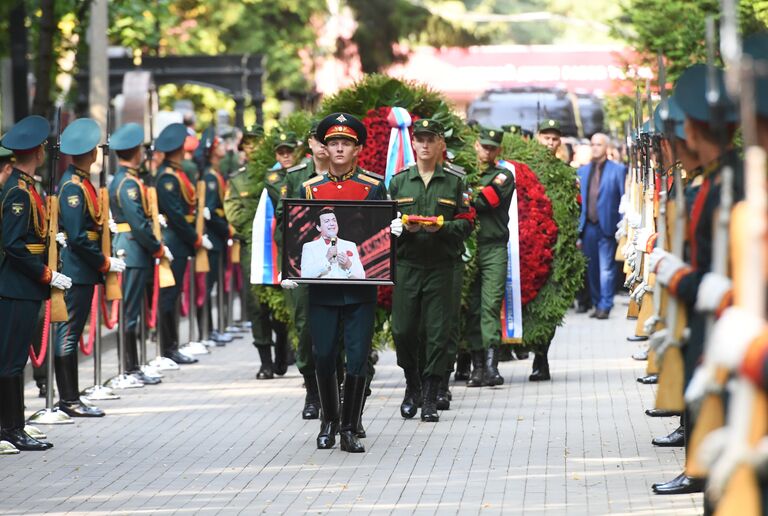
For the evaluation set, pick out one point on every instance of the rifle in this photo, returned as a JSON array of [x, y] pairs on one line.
[[201, 255], [58, 305], [669, 394], [112, 288], [165, 274]]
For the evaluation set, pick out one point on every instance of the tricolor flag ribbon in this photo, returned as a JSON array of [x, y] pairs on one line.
[[512, 306], [400, 153], [264, 266]]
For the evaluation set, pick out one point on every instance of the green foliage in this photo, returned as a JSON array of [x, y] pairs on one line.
[[542, 315]]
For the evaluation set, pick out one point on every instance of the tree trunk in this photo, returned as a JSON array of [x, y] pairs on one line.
[[18, 37], [41, 104]]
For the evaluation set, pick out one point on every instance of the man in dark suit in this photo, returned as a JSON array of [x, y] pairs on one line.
[[602, 185]]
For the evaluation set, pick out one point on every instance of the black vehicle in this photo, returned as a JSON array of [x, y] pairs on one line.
[[579, 114]]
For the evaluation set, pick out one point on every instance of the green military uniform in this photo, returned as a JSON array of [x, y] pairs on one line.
[[82, 260], [426, 267], [24, 282], [131, 213], [496, 186]]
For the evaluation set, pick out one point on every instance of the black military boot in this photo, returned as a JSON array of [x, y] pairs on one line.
[[265, 371], [312, 399], [132, 361], [412, 400], [169, 339], [676, 438], [505, 354], [443, 400], [463, 364], [360, 429], [69, 390], [540, 371], [281, 355], [351, 411], [478, 369], [12, 416], [429, 406], [492, 376], [328, 388]]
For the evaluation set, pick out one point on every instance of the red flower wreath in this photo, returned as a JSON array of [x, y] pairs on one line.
[[538, 232]]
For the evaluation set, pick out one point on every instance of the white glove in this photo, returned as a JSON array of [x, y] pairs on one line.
[[162, 221], [621, 230], [206, 213], [112, 225], [658, 340], [623, 204], [61, 238], [116, 265], [396, 226], [230, 242], [288, 284], [634, 220], [712, 289], [641, 239], [60, 281], [207, 243], [640, 291], [665, 264], [167, 253], [731, 337]]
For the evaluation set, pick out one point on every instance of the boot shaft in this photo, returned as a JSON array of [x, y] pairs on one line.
[[328, 389], [354, 396]]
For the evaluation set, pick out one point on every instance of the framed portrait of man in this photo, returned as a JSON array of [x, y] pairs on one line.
[[329, 241]]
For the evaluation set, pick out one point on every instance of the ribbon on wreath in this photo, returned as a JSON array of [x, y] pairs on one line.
[[512, 304], [264, 266], [400, 151]]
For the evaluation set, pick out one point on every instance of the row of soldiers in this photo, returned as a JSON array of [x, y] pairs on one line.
[[694, 231]]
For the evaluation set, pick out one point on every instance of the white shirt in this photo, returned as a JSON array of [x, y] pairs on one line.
[[315, 264]]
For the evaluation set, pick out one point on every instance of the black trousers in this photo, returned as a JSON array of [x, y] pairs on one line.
[[18, 319], [78, 299], [355, 323]]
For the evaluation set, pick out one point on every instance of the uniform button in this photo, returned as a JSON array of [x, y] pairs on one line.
[[314, 189], [339, 187]]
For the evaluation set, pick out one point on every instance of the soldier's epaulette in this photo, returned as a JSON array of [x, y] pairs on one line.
[[454, 169], [300, 166], [310, 182], [403, 169], [370, 177]]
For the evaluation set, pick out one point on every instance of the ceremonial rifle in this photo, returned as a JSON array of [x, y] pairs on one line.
[[58, 305], [112, 289]]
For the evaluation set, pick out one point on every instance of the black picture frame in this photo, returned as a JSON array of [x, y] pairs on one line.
[[362, 228]]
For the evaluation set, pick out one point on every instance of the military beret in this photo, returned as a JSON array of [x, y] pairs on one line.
[[676, 117], [285, 139], [491, 136], [171, 138], [28, 133], [512, 129], [757, 47], [427, 125], [341, 125], [80, 137], [550, 125], [128, 136], [691, 94], [5, 153], [253, 131]]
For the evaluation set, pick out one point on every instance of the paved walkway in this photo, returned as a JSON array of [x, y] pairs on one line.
[[213, 440]]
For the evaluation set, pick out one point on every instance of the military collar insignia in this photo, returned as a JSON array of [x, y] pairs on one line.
[[341, 118], [82, 173], [23, 176], [346, 176], [132, 171]]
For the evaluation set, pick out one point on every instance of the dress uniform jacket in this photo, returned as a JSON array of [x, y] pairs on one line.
[[218, 227], [23, 273], [356, 185], [176, 200], [80, 212], [128, 202]]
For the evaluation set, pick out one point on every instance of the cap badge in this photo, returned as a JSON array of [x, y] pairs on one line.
[[341, 118]]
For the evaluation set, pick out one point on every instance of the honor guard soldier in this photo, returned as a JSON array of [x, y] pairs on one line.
[[435, 207], [25, 280], [6, 167], [298, 298], [83, 261], [492, 202], [131, 213], [176, 201], [217, 227], [689, 282], [347, 310]]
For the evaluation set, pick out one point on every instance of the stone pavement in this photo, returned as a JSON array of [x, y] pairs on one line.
[[212, 440]]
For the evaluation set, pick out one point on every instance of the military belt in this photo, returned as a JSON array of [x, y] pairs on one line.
[[92, 235], [219, 212], [35, 248], [123, 227]]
